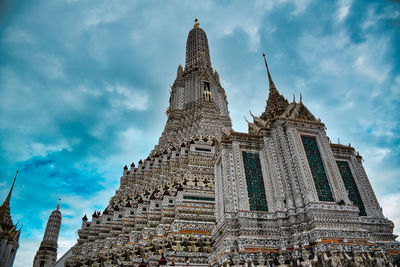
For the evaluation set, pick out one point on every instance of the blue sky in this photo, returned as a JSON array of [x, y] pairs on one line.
[[84, 86]]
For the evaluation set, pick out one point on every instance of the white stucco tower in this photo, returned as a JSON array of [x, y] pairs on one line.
[[47, 254]]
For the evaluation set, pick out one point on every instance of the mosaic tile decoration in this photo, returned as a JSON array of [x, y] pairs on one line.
[[317, 168], [255, 182], [199, 198], [351, 186]]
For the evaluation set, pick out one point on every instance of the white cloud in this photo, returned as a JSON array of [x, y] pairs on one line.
[[395, 88], [379, 153], [130, 99], [249, 19], [105, 12], [379, 164], [51, 66], [301, 6], [64, 245], [41, 149], [390, 205], [365, 66], [343, 10], [133, 141], [17, 35], [332, 54], [26, 252], [374, 17]]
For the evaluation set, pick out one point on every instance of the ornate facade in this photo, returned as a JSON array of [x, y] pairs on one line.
[[9, 235], [207, 195], [284, 193], [47, 254]]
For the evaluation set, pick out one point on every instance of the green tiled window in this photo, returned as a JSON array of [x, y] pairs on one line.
[[255, 182], [351, 186], [199, 198], [317, 168]]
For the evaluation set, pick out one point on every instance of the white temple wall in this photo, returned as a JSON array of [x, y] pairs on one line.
[[219, 188], [240, 181], [274, 166], [332, 172]]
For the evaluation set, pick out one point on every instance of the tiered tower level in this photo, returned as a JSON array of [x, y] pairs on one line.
[[206, 194], [47, 254], [165, 203]]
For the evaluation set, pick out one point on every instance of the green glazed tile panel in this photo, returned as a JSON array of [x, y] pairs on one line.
[[199, 198], [255, 182], [317, 168], [351, 186]]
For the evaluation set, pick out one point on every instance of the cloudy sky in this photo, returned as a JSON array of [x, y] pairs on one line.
[[84, 86]]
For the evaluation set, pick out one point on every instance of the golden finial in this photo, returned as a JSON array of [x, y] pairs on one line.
[[58, 205], [196, 23]]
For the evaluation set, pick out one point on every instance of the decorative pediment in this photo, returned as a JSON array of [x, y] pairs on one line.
[[304, 114], [298, 111]]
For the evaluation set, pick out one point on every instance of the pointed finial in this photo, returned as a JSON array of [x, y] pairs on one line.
[[196, 23], [294, 98], [58, 205], [179, 72], [301, 98], [271, 83], [338, 140], [13, 228], [7, 201], [16, 236]]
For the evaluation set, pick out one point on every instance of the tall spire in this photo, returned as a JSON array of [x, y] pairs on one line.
[[196, 44], [9, 235], [195, 89], [8, 198], [5, 214], [276, 103], [58, 205], [271, 82]]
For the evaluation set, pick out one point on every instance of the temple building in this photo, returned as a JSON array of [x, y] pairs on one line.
[[9, 235], [281, 194], [47, 254]]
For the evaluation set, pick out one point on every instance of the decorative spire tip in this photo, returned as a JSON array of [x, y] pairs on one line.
[[271, 83], [58, 205], [196, 23], [7, 200]]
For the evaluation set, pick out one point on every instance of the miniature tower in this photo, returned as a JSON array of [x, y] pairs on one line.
[[47, 254], [9, 236]]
